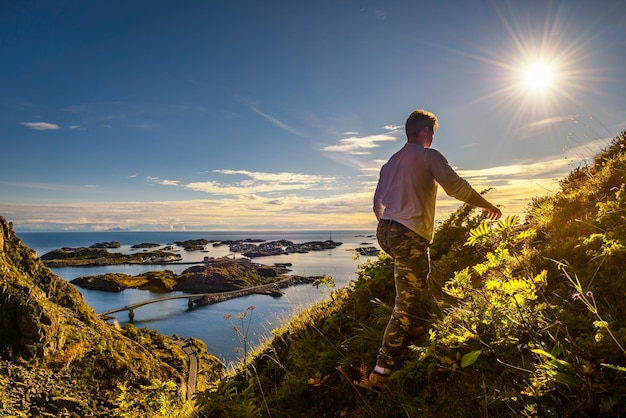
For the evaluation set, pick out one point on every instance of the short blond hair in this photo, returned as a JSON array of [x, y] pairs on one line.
[[418, 120]]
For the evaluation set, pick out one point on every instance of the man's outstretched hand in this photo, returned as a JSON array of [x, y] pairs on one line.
[[493, 213]]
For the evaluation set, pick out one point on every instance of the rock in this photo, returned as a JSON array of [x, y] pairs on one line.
[[112, 244], [145, 245], [70, 403], [103, 283], [193, 244]]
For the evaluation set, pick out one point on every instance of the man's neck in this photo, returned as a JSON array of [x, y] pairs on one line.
[[419, 140]]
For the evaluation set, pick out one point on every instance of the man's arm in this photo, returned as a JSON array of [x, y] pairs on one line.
[[458, 187], [475, 199]]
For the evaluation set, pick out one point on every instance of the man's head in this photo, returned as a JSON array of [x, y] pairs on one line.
[[417, 121]]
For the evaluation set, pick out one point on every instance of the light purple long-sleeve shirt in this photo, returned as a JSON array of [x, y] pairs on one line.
[[407, 187]]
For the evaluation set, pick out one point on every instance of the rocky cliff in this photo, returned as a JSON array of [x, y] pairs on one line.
[[57, 358]]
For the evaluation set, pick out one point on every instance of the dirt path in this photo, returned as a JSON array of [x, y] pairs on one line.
[[192, 379]]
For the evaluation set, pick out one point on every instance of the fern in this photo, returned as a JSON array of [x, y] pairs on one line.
[[478, 234], [508, 223], [483, 231]]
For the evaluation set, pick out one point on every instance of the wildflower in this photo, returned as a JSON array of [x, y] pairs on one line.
[[318, 380], [576, 296]]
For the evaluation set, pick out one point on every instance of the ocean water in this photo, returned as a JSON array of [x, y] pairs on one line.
[[207, 322]]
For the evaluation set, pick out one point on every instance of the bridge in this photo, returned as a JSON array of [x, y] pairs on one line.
[[131, 308], [272, 289]]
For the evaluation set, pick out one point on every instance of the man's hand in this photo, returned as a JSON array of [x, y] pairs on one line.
[[475, 199], [493, 213]]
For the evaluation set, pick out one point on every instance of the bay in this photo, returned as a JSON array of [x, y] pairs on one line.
[[207, 322]]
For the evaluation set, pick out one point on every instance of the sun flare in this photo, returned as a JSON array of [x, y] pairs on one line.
[[539, 76]]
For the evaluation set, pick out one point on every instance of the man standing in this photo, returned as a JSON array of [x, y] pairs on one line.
[[404, 204]]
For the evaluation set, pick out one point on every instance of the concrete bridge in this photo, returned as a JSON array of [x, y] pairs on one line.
[[272, 289], [131, 308]]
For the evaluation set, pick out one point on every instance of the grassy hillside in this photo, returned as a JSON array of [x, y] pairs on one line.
[[528, 320], [58, 358]]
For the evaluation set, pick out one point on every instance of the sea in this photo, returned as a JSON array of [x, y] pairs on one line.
[[209, 323]]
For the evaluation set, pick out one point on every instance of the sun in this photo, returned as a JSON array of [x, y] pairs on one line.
[[538, 76]]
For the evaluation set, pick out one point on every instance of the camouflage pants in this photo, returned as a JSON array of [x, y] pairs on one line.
[[411, 268]]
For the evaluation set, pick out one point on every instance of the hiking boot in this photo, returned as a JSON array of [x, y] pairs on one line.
[[378, 381]]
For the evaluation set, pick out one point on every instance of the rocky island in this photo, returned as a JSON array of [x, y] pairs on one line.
[[85, 257], [111, 244], [145, 245], [268, 248], [221, 275], [193, 244]]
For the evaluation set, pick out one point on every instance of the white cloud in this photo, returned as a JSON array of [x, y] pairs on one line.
[[283, 177], [170, 182], [163, 182], [358, 145], [41, 126], [533, 170], [549, 121], [261, 182]]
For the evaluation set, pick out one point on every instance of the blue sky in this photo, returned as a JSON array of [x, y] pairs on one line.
[[207, 115]]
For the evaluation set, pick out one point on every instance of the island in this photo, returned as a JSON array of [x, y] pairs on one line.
[[98, 254], [220, 275], [86, 257], [145, 245], [193, 244], [111, 244]]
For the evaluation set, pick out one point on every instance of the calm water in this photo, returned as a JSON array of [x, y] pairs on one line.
[[207, 322]]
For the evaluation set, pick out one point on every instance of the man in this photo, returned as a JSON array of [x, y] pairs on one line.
[[404, 204]]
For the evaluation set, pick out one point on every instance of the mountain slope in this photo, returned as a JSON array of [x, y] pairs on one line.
[[58, 358], [529, 320]]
